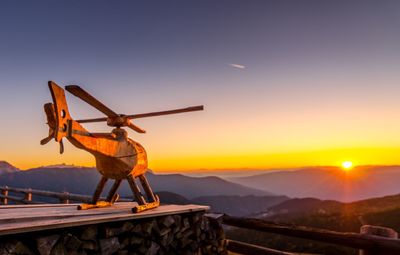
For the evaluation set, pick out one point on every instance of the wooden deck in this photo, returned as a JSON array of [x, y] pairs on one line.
[[28, 218]]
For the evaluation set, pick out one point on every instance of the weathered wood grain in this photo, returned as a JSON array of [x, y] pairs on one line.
[[250, 249], [61, 196], [117, 156], [22, 219], [354, 240]]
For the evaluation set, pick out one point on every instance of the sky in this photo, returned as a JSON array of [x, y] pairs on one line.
[[284, 83]]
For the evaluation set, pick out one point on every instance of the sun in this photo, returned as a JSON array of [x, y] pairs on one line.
[[347, 165]]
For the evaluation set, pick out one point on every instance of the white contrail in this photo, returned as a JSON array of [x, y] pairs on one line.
[[237, 66]]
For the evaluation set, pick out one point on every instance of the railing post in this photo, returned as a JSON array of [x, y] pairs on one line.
[[28, 196], [377, 231], [65, 200], [4, 192]]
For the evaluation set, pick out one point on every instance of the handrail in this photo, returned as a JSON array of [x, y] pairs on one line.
[[18, 199], [245, 248], [353, 240], [59, 195]]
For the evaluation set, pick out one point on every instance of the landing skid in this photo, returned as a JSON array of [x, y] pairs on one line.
[[146, 206], [143, 205], [99, 204]]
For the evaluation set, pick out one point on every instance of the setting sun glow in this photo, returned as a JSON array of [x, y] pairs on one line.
[[313, 96], [347, 165]]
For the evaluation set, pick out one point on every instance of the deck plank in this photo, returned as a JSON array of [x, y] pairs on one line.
[[22, 219]]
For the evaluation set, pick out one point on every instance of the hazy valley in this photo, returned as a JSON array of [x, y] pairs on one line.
[[312, 190], [222, 195], [333, 183]]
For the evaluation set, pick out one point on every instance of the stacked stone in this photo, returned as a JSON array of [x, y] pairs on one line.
[[190, 233]]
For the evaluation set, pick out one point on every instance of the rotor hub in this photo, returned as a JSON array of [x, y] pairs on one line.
[[119, 121], [120, 134]]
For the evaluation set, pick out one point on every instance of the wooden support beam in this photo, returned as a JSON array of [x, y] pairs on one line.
[[65, 199], [99, 189], [250, 249], [58, 195], [4, 199], [353, 240], [147, 188], [136, 191], [28, 196], [18, 200], [377, 231], [112, 193]]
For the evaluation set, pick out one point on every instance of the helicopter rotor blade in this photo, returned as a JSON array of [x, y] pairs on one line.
[[136, 128], [85, 96], [92, 120], [150, 114]]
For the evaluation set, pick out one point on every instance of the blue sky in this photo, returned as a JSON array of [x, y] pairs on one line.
[[309, 66]]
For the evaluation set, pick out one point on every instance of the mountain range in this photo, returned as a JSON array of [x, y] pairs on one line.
[[323, 214], [6, 168], [222, 195], [332, 183], [83, 180], [292, 208], [314, 190], [239, 205]]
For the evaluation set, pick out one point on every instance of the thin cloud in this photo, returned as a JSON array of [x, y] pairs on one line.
[[238, 66]]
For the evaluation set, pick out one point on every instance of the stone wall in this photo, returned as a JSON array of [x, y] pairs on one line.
[[189, 233]]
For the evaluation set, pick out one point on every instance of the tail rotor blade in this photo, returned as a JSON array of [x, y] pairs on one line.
[[46, 140]]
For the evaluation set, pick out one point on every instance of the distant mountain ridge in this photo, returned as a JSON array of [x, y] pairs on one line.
[[323, 214], [83, 180], [223, 196], [6, 168], [297, 207], [239, 205], [328, 183]]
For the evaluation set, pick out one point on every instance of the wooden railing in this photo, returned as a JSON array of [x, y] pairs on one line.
[[372, 240], [27, 196]]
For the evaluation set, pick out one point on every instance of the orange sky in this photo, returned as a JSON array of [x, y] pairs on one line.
[[226, 135], [283, 85]]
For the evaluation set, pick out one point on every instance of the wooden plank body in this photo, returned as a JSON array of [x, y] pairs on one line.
[[116, 155]]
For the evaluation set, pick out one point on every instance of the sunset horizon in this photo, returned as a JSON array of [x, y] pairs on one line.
[[274, 97], [206, 127], [279, 167]]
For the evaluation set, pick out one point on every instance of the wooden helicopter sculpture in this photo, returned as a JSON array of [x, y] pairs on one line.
[[117, 156]]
